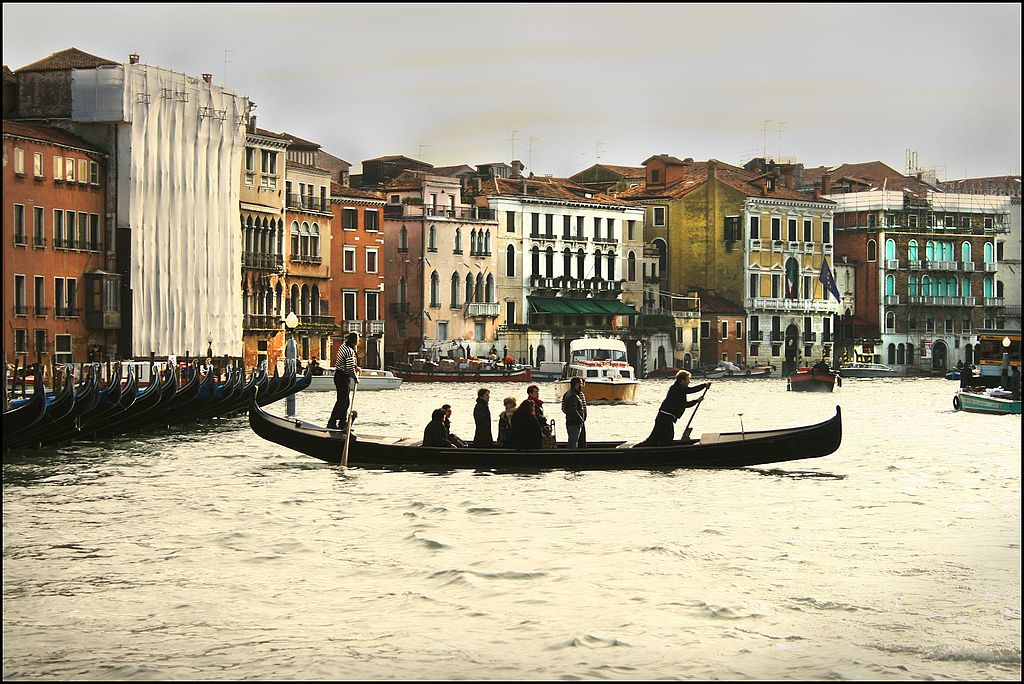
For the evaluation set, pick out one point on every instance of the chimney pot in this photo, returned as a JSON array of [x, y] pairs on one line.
[[208, 78], [133, 58]]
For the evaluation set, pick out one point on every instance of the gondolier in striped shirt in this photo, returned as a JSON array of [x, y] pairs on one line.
[[345, 378]]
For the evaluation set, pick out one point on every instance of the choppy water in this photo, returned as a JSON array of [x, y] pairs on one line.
[[217, 555]]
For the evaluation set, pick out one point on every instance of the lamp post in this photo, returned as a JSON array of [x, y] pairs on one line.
[[1005, 378], [290, 322], [209, 345]]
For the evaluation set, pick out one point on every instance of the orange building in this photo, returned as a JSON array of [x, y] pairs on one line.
[[61, 298]]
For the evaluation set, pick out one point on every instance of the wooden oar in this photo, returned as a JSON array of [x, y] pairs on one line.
[[351, 418], [686, 432]]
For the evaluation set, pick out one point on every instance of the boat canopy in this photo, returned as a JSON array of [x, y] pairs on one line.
[[597, 343]]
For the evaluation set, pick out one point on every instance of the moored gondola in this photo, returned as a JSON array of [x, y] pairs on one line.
[[712, 450], [21, 418]]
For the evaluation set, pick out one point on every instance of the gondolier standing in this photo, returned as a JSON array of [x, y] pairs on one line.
[[672, 409], [345, 378]]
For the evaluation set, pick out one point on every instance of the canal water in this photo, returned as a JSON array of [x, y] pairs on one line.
[[212, 554]]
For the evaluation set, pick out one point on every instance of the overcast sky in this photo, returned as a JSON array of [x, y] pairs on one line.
[[615, 83]]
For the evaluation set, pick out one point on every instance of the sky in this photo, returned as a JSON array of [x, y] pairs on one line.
[[563, 86]]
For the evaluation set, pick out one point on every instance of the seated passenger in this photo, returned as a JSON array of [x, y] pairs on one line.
[[435, 434], [525, 432]]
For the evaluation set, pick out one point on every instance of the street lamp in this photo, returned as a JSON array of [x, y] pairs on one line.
[[1005, 379], [209, 345], [290, 322]]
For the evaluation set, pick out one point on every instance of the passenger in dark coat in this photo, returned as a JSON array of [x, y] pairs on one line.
[[525, 433], [435, 434], [482, 438], [505, 421], [967, 375], [672, 409]]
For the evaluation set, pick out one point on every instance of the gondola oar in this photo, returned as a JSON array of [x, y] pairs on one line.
[[351, 417], [686, 432]]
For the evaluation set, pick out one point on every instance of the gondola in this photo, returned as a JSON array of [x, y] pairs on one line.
[[56, 406], [17, 420], [61, 414], [712, 450], [87, 399]]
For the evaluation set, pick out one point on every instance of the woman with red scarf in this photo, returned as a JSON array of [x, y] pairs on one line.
[[533, 396]]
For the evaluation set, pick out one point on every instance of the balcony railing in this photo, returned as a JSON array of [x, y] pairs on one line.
[[308, 203], [374, 327], [892, 264], [483, 309], [755, 335], [930, 300], [934, 265], [993, 301], [306, 259], [414, 211], [991, 267], [319, 322], [353, 326], [776, 336], [755, 245], [263, 262], [967, 265], [914, 264], [261, 322], [66, 312], [892, 299], [42, 311], [810, 336], [779, 304]]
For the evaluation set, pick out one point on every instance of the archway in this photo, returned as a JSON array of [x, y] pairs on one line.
[[791, 350], [969, 354], [939, 355]]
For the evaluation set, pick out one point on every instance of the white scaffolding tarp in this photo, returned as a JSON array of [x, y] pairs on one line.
[[179, 162]]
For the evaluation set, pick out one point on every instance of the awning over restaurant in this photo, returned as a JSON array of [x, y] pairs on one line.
[[572, 307]]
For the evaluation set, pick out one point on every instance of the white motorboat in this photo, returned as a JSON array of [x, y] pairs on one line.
[[370, 379], [861, 369], [601, 362]]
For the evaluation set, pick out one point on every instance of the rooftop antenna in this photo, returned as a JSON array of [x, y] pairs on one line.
[[530, 157], [226, 61], [597, 150], [764, 138], [780, 129], [420, 153], [514, 131]]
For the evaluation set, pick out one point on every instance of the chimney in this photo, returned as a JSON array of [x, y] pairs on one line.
[[826, 183], [133, 58], [517, 168], [208, 78], [712, 165], [817, 193], [251, 127]]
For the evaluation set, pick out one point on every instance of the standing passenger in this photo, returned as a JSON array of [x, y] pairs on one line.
[[574, 406], [525, 432], [505, 422], [482, 439]]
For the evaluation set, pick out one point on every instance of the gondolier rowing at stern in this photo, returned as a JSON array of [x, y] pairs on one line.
[[672, 409], [345, 378]]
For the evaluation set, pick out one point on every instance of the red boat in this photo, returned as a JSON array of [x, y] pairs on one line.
[[812, 380], [512, 374]]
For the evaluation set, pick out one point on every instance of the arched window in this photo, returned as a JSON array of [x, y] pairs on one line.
[[278, 295], [541, 354], [456, 287], [952, 285], [890, 249], [487, 241], [549, 262], [901, 354], [490, 293], [912, 286], [469, 288], [478, 295], [295, 238], [965, 287], [458, 240], [890, 284], [314, 240], [631, 267], [305, 301], [999, 288], [581, 262], [661, 247], [912, 250], [929, 250], [947, 250], [611, 265], [294, 304], [965, 252], [988, 253], [890, 321], [872, 250], [926, 286], [472, 242], [987, 287], [435, 289], [567, 263], [432, 239], [403, 239], [891, 356], [314, 301], [304, 238], [661, 357], [597, 263], [510, 261], [535, 260], [910, 354]]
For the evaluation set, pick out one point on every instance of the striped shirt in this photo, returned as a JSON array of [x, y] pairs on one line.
[[346, 361]]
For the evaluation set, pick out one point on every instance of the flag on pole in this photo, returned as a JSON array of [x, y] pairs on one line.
[[828, 281]]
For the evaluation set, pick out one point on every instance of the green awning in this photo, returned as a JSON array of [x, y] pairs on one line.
[[572, 307]]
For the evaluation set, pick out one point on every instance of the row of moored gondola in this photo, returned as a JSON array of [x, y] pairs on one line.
[[87, 410]]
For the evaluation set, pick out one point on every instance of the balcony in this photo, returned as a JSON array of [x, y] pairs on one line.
[[991, 267], [967, 266], [104, 319], [261, 322], [398, 308], [914, 264], [892, 299], [353, 326], [262, 262], [41, 311], [810, 336], [320, 322], [606, 241], [419, 211], [306, 259], [755, 335], [755, 245], [308, 203], [826, 248], [65, 312], [892, 264], [802, 305], [809, 247], [993, 301], [537, 235], [940, 265], [374, 328], [476, 309], [793, 246], [930, 300], [776, 336]]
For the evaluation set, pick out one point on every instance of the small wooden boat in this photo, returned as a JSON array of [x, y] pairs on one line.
[[499, 374], [860, 369], [985, 400], [370, 379], [812, 380], [712, 450]]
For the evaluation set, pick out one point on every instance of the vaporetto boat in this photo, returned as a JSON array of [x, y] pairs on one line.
[[601, 362]]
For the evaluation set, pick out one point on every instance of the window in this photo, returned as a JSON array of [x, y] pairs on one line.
[[755, 227], [510, 221], [705, 330], [83, 171], [38, 227], [83, 230], [535, 260], [395, 199], [19, 224], [549, 225], [435, 290], [19, 161], [534, 224], [442, 330], [630, 230], [755, 281], [791, 230], [37, 164], [349, 219], [725, 330], [250, 165], [62, 349], [510, 313], [808, 231], [912, 250], [58, 227], [630, 267], [610, 232], [20, 307], [94, 173], [510, 261], [348, 305], [58, 168], [20, 341], [348, 259], [659, 215], [41, 344], [94, 232], [597, 227], [69, 169], [732, 228], [655, 175], [403, 240], [458, 241], [455, 291], [826, 232], [432, 239], [372, 220], [872, 251], [912, 220], [371, 259], [372, 305], [776, 228], [776, 286]]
